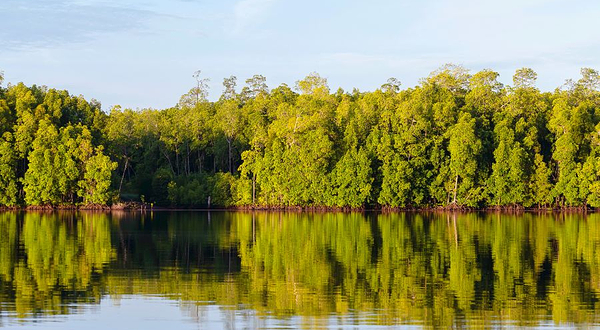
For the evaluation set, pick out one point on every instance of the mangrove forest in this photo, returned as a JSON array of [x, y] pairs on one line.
[[457, 139]]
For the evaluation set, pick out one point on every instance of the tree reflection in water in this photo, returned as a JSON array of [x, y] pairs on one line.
[[436, 269]]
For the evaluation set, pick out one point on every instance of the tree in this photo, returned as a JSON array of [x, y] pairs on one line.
[[524, 78], [56, 164], [122, 138], [313, 84], [229, 120], [255, 86], [519, 130], [590, 80], [589, 177], [464, 148], [40, 183], [499, 184], [197, 94], [351, 179], [7, 117], [541, 186], [410, 145], [589, 180], [26, 123], [571, 121], [508, 179], [8, 175], [391, 86], [452, 77], [229, 85], [96, 182], [483, 101]]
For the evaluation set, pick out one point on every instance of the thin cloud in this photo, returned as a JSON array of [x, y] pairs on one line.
[[249, 12], [38, 24]]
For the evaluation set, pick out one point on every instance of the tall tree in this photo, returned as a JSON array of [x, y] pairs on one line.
[[464, 148], [229, 85], [197, 94]]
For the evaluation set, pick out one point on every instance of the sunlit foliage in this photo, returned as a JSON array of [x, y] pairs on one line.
[[456, 139]]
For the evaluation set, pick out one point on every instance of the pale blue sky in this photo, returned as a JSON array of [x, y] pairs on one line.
[[142, 53]]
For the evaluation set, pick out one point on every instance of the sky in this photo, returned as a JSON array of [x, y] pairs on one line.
[[143, 53]]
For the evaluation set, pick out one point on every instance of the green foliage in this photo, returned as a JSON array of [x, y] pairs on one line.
[[61, 162], [541, 186], [524, 78], [590, 172], [464, 148], [95, 186], [46, 179], [8, 175], [64, 253], [455, 139], [572, 121], [352, 180], [590, 181]]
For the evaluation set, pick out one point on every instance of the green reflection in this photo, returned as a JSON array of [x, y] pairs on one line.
[[50, 261], [434, 269]]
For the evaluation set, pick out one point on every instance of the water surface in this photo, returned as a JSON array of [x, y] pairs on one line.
[[238, 270]]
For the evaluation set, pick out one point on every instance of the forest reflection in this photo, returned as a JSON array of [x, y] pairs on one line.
[[432, 269]]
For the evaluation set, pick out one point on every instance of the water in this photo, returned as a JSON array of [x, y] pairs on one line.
[[240, 270]]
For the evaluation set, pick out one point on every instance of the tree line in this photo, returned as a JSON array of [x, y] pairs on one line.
[[456, 139]]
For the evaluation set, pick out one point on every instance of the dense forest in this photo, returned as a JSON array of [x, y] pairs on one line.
[[456, 140]]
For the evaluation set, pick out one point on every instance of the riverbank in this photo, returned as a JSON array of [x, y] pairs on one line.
[[137, 206]]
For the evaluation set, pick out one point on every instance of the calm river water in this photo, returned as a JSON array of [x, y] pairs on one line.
[[241, 270]]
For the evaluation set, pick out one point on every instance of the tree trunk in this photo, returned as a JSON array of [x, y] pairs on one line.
[[229, 154], [455, 188], [189, 170], [177, 161], [169, 160], [123, 176], [199, 162]]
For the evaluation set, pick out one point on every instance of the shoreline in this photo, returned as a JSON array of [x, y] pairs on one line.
[[139, 207]]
